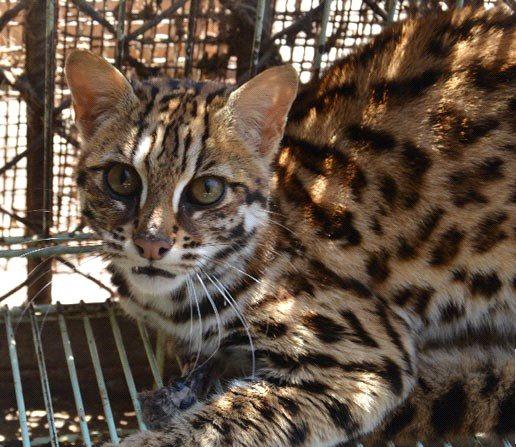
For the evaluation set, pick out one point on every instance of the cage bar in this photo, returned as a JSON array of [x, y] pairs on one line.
[[120, 34], [125, 366], [101, 383], [391, 10], [192, 14], [48, 251], [150, 354], [45, 386], [20, 402], [72, 371], [321, 38], [257, 38]]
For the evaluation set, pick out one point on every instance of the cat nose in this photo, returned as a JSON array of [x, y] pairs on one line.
[[150, 249]]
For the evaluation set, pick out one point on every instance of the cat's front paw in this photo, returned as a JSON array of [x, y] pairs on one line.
[[160, 406]]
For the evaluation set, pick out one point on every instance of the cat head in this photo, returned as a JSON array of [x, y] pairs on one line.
[[174, 175]]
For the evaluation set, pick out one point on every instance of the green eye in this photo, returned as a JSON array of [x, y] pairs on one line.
[[205, 190], [122, 181]]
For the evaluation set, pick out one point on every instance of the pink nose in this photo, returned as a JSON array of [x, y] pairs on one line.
[[151, 249]]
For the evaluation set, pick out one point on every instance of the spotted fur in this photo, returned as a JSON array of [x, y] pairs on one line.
[[367, 262]]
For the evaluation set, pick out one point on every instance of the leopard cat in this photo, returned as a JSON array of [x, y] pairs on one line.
[[350, 247]]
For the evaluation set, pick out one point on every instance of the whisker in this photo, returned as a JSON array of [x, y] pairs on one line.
[[231, 301], [217, 317], [199, 316]]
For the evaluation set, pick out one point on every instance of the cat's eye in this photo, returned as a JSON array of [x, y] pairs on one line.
[[206, 190], [123, 182]]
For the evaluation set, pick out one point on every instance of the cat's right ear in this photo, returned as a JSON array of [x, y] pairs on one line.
[[97, 89]]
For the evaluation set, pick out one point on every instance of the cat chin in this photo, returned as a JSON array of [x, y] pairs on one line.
[[154, 284]]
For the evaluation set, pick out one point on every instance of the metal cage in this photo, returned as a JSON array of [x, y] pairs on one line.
[[67, 371]]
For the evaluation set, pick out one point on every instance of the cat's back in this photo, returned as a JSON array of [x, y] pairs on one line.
[[398, 167]]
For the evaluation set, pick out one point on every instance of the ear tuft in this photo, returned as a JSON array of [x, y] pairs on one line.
[[96, 86], [260, 107]]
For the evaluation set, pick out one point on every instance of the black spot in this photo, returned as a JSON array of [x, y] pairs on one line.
[[391, 373], [478, 129], [488, 233], [452, 312], [297, 433], [359, 330], [81, 179], [374, 139], [298, 283], [446, 248], [272, 329], [313, 386], [490, 169], [486, 284], [416, 161], [331, 279], [341, 415], [429, 223], [388, 189], [255, 196], [459, 275], [289, 405], [324, 328], [376, 226], [491, 383], [357, 184], [405, 251], [189, 257], [489, 79], [406, 89], [378, 266], [505, 424], [86, 212], [449, 410], [402, 418]]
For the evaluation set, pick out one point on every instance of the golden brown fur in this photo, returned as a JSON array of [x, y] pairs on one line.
[[370, 259]]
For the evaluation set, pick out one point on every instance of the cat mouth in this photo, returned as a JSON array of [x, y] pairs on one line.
[[152, 271]]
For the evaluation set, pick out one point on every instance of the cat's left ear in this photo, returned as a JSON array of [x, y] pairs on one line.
[[259, 108]]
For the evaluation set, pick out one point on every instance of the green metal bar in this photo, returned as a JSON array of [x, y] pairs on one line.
[[92, 345], [20, 402], [321, 38], [150, 354], [47, 252], [72, 371], [257, 39], [56, 238], [391, 10], [125, 366], [459, 3], [160, 352], [45, 386]]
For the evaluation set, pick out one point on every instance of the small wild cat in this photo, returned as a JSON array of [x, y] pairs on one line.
[[366, 258]]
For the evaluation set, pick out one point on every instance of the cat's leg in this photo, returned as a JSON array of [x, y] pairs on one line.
[[322, 396], [460, 393]]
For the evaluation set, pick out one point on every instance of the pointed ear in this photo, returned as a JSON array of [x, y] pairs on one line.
[[259, 108], [97, 88]]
